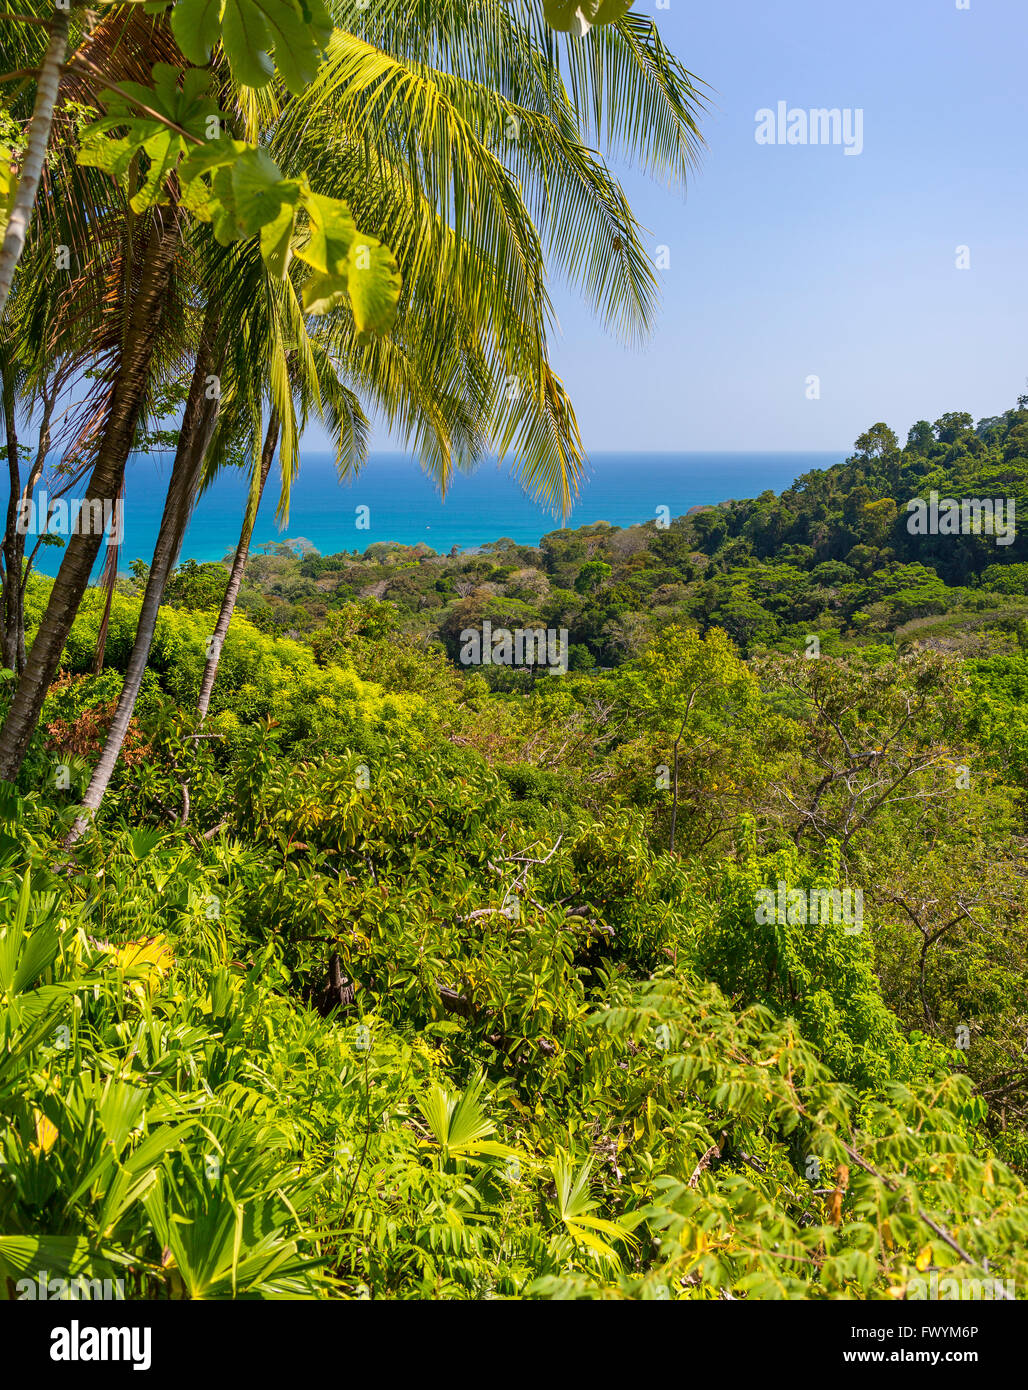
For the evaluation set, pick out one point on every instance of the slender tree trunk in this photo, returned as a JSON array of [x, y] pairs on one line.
[[104, 487], [198, 423], [12, 567], [108, 584], [35, 473], [235, 579], [31, 170], [678, 740]]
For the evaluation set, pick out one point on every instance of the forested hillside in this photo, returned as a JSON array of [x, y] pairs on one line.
[[515, 987], [832, 556]]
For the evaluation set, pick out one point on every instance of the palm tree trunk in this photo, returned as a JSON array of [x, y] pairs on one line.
[[107, 586], [35, 473], [31, 170], [235, 578], [12, 567], [104, 485], [198, 423], [12, 642]]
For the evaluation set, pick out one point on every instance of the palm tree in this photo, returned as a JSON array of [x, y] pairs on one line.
[[53, 321], [11, 565], [137, 290], [406, 384], [441, 86], [403, 121], [105, 483], [121, 49], [250, 319], [199, 420]]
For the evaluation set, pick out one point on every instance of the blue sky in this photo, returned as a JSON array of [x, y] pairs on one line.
[[798, 261]]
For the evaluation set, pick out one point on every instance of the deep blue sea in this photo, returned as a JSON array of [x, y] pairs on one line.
[[405, 506]]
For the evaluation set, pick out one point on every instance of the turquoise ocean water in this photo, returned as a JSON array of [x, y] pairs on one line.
[[405, 506]]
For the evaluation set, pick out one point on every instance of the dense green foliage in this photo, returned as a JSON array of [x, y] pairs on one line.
[[392, 985], [832, 556]]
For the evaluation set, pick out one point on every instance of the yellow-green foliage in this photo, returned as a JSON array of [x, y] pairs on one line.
[[261, 677], [424, 993]]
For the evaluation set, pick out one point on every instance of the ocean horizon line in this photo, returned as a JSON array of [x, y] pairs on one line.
[[391, 500]]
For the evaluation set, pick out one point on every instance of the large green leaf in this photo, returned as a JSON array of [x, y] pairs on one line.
[[248, 191], [251, 30], [459, 1123], [247, 194], [23, 955], [277, 237], [40, 950], [188, 106], [196, 25], [579, 16], [347, 262]]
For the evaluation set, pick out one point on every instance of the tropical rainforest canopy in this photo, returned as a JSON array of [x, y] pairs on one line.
[[333, 967]]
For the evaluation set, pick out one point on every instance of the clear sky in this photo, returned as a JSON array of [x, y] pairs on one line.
[[795, 261]]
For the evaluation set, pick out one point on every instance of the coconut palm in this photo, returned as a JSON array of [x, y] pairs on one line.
[[137, 286], [407, 120], [122, 49], [474, 127], [258, 338], [199, 429], [59, 324], [247, 336]]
